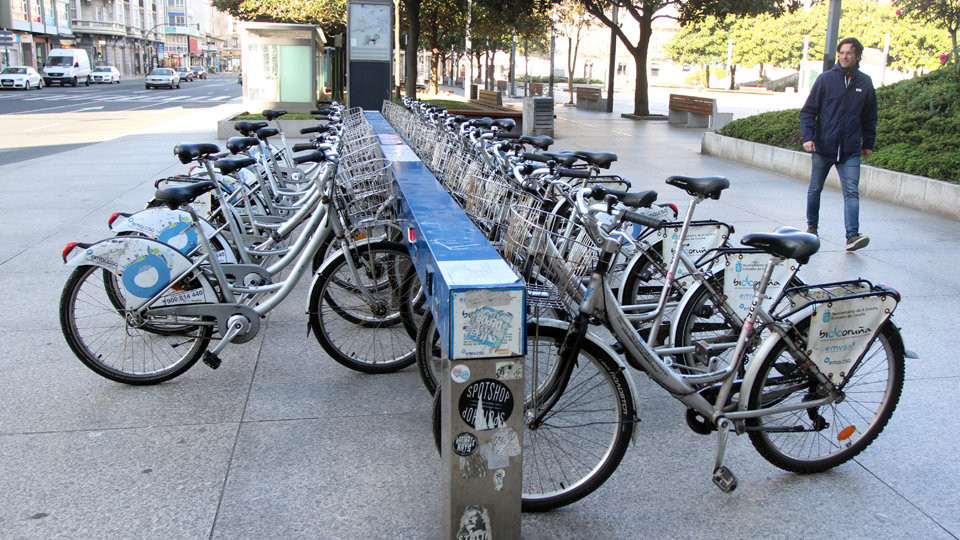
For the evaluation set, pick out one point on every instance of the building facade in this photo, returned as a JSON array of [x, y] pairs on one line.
[[132, 35]]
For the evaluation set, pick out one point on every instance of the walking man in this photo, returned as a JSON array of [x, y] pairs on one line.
[[839, 124]]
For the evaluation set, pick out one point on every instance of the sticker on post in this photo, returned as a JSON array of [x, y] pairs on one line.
[[509, 371], [486, 404], [498, 477], [474, 524], [459, 373], [489, 326], [465, 444]]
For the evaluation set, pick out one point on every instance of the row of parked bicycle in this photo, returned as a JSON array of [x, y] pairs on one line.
[[614, 280], [811, 373]]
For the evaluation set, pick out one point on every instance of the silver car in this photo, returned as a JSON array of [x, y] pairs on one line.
[[162, 77]]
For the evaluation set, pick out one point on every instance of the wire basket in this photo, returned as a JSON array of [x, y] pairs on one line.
[[365, 192], [551, 253]]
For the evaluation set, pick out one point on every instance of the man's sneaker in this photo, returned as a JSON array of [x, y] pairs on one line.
[[812, 229], [856, 242]]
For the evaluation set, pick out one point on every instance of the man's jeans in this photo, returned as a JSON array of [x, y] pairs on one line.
[[849, 171]]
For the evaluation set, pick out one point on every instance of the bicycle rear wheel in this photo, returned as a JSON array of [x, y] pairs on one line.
[[817, 439], [364, 335], [96, 329]]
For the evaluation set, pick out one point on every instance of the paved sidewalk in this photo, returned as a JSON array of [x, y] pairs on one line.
[[282, 442]]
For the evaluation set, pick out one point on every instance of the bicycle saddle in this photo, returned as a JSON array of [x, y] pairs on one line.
[[188, 152], [564, 159], [230, 165], [484, 122], [542, 141], [271, 114], [176, 196], [786, 242], [600, 159], [246, 128], [505, 124], [706, 186], [265, 132], [238, 144]]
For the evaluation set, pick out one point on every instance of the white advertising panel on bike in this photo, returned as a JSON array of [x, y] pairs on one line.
[[743, 273], [841, 330], [700, 239]]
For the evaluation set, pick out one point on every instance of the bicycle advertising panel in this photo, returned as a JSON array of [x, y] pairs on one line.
[[145, 267], [743, 272], [701, 238], [841, 330]]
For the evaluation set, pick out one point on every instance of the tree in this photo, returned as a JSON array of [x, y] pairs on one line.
[[701, 43], [328, 14], [685, 11], [441, 25], [942, 13], [573, 22]]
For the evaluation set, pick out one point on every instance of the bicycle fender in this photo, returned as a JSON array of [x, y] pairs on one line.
[[595, 339], [145, 266], [753, 365], [170, 227]]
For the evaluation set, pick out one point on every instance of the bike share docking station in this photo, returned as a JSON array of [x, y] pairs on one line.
[[478, 304]]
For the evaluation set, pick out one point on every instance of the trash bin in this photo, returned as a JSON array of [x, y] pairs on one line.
[[538, 116]]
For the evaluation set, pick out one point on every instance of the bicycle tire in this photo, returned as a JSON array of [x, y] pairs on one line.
[[98, 334], [558, 467], [429, 355], [378, 343], [701, 319], [833, 434]]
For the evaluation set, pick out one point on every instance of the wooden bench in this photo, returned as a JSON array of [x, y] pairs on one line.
[[696, 111], [590, 98], [491, 104]]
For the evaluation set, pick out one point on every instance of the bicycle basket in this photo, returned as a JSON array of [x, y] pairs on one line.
[[549, 252]]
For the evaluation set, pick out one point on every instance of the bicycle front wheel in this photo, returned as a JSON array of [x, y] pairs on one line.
[[98, 332], [355, 310], [817, 439]]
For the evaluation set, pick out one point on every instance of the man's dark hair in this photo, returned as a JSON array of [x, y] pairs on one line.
[[857, 46]]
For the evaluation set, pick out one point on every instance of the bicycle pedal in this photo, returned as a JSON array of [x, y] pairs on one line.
[[211, 360], [724, 479]]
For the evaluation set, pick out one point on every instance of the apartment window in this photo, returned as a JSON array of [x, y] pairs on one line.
[[62, 17], [35, 11], [18, 10], [177, 20], [99, 14], [175, 3]]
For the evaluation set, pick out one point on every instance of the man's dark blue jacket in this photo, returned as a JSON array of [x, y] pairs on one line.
[[836, 117]]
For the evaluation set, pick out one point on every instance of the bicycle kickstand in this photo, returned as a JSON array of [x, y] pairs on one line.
[[723, 477]]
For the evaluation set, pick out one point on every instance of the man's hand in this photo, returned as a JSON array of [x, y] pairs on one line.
[[809, 146], [865, 152]]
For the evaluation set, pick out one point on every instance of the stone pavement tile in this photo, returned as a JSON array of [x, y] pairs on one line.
[[337, 475], [30, 300], [296, 379], [48, 389], [916, 455], [928, 332], [145, 482]]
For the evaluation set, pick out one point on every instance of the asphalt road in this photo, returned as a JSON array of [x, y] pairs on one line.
[[44, 122]]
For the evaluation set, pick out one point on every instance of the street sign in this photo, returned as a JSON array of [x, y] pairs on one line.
[[7, 37]]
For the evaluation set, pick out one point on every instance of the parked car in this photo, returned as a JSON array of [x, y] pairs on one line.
[[105, 74], [67, 66], [198, 72], [184, 73], [23, 77], [162, 77]]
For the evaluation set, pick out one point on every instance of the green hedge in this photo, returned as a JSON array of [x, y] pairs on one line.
[[918, 131]]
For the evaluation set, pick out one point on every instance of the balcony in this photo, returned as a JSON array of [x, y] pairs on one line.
[[80, 26]]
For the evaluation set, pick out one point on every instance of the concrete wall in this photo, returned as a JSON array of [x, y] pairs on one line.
[[934, 196]]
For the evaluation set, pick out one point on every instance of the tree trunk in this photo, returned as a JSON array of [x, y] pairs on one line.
[[434, 85], [733, 77], [641, 95], [413, 39], [571, 66], [706, 76]]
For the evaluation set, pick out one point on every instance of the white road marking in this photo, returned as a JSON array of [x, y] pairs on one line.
[[40, 127]]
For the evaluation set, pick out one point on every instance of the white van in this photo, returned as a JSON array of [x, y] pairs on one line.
[[66, 66]]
